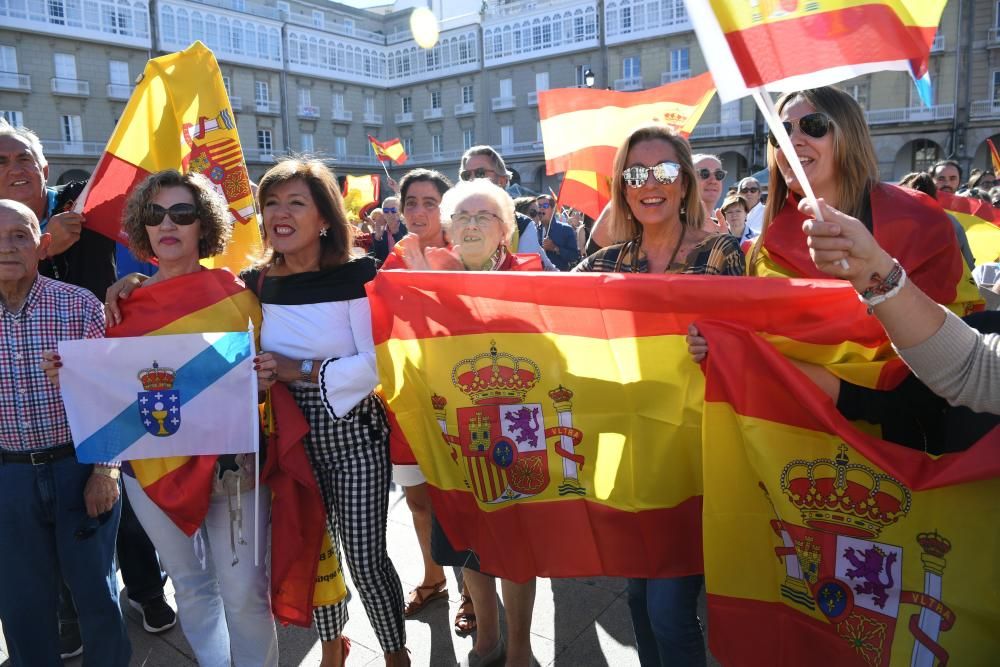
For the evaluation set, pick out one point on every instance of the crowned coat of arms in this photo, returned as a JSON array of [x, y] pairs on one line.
[[160, 404]]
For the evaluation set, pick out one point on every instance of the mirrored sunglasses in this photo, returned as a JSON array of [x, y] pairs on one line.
[[181, 214], [544, 204], [814, 125], [388, 210], [720, 174], [468, 175], [664, 172]]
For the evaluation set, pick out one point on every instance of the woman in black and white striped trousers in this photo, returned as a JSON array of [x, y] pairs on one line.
[[317, 327]]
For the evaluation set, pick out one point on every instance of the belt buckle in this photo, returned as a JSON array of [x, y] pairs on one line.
[[40, 458]]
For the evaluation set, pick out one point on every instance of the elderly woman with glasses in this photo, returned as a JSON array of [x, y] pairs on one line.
[[655, 204]]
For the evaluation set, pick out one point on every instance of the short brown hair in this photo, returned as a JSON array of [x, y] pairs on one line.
[[622, 225], [212, 210], [439, 180]]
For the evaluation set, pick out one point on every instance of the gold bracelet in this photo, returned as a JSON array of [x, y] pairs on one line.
[[113, 473]]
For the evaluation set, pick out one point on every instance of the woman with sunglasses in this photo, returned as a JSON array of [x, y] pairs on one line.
[[223, 598], [830, 136], [655, 204], [710, 177], [317, 328]]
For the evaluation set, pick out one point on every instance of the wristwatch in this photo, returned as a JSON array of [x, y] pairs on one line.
[[306, 370], [113, 473]]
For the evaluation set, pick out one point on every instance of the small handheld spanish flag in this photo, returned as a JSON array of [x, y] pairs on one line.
[[994, 156], [391, 150]]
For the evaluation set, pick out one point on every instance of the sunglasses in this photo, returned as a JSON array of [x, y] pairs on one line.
[[181, 214], [532, 213], [544, 204], [720, 174], [814, 125], [388, 210], [664, 172], [751, 191], [468, 175]]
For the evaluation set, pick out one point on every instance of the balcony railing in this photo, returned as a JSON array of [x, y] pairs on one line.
[[911, 114], [354, 159], [70, 87], [270, 107], [236, 103], [342, 115], [522, 148], [985, 109], [259, 154], [372, 118], [465, 109], [432, 114], [404, 117], [630, 83], [308, 111], [533, 98], [715, 130], [119, 91], [937, 46], [501, 103], [675, 75], [15, 81], [73, 147]]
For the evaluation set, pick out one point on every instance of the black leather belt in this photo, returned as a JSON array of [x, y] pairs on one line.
[[40, 457]]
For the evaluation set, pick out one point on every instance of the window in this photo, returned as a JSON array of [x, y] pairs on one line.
[[305, 97], [228, 84], [468, 96], [261, 92], [65, 64], [349, 26], [16, 118], [408, 145], [541, 81], [8, 59], [925, 153], [307, 142], [581, 79], [859, 91], [538, 131], [56, 11], [407, 104], [340, 146], [283, 8], [506, 88], [437, 144], [996, 88], [730, 114], [72, 129], [626, 21], [118, 72], [631, 68], [338, 101], [436, 99], [679, 61], [468, 139], [264, 144], [506, 135], [369, 105], [317, 18]]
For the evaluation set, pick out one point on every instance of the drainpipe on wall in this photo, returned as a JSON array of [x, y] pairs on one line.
[[283, 78]]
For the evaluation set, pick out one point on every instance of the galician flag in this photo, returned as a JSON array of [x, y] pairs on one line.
[[156, 396]]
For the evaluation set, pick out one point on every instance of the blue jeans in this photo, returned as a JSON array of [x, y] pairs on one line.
[[665, 621], [41, 511]]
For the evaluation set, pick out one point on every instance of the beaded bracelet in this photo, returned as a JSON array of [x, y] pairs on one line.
[[883, 288]]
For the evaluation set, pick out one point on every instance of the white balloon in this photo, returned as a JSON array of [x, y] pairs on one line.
[[424, 26]]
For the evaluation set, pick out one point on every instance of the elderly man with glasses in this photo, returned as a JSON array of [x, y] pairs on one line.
[[390, 230], [749, 189]]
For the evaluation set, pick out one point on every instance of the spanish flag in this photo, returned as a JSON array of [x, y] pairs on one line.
[[785, 45], [389, 151], [178, 117], [585, 191], [994, 157], [359, 192], [824, 545], [981, 223]]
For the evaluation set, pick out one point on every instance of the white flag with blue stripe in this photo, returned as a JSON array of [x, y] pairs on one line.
[[153, 396]]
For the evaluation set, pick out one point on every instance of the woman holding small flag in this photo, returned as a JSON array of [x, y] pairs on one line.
[[317, 328], [655, 203]]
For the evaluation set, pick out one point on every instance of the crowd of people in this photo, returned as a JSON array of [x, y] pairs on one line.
[[307, 295]]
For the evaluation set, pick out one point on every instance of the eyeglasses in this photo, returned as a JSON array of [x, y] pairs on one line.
[[751, 191], [814, 125], [664, 172], [480, 172], [480, 219], [544, 204], [181, 214], [720, 174], [388, 210], [532, 213]]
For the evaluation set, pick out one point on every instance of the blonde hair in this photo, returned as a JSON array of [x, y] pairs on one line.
[[622, 226], [462, 190]]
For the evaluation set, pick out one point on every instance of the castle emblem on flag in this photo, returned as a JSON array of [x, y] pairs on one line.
[[502, 438], [160, 404], [834, 565]]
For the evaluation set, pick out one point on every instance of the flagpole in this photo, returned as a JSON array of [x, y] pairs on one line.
[[255, 440], [766, 106], [385, 169]]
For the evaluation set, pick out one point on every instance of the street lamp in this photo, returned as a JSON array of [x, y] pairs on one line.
[[588, 78]]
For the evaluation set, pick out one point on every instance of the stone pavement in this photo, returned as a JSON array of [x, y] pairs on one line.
[[576, 622]]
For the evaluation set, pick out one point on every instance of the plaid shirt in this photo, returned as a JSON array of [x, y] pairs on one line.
[[717, 255], [31, 409]]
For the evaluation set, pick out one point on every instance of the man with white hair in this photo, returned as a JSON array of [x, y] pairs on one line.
[[749, 189], [58, 517]]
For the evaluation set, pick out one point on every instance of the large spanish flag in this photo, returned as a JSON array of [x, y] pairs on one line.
[[785, 45], [981, 223], [824, 545], [582, 127], [178, 117], [388, 151]]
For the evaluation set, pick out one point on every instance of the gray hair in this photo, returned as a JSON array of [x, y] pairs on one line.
[[462, 190], [23, 212], [498, 164], [28, 137], [698, 157], [748, 179]]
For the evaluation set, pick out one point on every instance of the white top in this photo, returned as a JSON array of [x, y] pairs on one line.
[[755, 219]]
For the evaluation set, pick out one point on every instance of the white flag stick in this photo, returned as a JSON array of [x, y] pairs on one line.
[[255, 392], [766, 106]]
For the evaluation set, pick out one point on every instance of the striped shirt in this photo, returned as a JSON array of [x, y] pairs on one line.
[[717, 255], [31, 410]]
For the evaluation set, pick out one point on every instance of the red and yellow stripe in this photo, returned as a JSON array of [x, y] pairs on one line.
[[388, 151], [981, 223]]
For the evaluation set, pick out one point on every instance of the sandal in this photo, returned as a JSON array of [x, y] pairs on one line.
[[419, 599], [465, 619]]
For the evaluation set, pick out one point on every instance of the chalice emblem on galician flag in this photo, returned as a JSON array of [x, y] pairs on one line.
[[160, 404]]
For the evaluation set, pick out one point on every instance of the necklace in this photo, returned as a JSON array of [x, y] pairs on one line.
[[637, 245]]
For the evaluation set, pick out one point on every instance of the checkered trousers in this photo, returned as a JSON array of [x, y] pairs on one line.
[[350, 457]]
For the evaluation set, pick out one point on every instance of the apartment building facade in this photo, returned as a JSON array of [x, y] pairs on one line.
[[318, 77]]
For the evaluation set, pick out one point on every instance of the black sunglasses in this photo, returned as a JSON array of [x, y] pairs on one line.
[[181, 214], [720, 174], [814, 125], [752, 191], [91, 525], [480, 172], [664, 172]]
